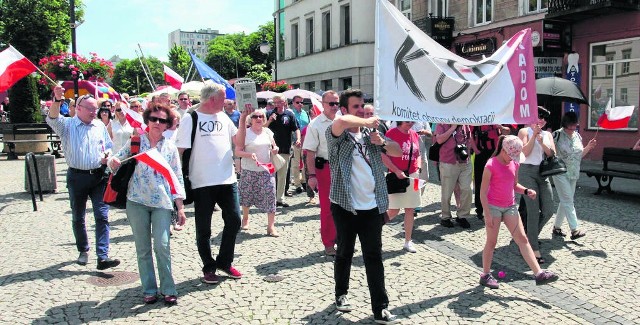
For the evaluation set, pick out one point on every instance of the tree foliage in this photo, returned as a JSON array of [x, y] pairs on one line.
[[36, 29], [130, 78], [179, 60], [234, 55]]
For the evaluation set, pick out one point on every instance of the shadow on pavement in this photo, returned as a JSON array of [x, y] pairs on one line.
[[47, 274]]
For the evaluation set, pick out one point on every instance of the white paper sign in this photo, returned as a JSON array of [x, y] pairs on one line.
[[245, 94]]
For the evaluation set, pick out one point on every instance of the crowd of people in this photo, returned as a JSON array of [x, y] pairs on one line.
[[341, 156]]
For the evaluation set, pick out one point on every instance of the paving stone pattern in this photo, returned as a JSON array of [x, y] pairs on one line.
[[40, 283]]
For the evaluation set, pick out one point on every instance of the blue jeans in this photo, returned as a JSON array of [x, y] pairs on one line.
[[81, 187], [566, 189], [146, 222], [204, 199]]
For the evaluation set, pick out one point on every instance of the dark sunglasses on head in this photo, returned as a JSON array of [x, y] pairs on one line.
[[332, 103], [82, 98], [257, 116], [158, 119]]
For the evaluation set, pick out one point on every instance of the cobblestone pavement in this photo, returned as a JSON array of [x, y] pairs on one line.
[[40, 283]]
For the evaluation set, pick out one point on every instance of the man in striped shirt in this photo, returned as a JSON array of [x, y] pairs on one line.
[[87, 145]]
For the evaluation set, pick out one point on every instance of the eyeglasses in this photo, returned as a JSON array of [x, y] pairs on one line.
[[118, 110], [183, 99], [257, 116], [332, 103], [158, 119]]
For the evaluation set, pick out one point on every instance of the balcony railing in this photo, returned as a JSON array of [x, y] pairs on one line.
[[582, 9]]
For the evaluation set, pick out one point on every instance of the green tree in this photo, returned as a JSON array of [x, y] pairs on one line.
[[130, 78], [179, 60], [36, 29], [259, 74], [227, 55], [253, 41]]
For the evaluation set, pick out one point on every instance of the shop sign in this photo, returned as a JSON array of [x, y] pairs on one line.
[[483, 46], [547, 66]]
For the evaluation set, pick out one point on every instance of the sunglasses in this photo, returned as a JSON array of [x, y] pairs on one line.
[[158, 119], [118, 110], [298, 102], [82, 98], [257, 116], [332, 103], [135, 106]]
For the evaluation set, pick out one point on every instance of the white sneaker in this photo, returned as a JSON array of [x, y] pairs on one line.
[[408, 246]]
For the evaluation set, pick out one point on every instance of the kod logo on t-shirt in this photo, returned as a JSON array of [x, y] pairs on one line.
[[210, 126]]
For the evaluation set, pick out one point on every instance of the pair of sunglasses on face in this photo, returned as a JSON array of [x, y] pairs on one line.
[[154, 119]]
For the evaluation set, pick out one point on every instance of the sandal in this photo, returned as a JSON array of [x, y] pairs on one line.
[[575, 234], [558, 232], [540, 260]]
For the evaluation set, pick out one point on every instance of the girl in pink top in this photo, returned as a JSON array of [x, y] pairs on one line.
[[497, 194]]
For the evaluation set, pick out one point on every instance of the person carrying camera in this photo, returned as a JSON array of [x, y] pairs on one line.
[[455, 168]]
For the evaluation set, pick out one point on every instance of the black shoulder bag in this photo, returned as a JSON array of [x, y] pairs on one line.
[[396, 185], [186, 157], [115, 194]]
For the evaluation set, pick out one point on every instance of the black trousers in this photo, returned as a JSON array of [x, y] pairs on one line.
[[367, 225]]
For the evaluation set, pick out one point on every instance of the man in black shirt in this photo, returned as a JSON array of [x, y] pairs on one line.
[[282, 123]]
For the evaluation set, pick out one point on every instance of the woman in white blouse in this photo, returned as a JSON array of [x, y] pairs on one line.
[[119, 129], [537, 144]]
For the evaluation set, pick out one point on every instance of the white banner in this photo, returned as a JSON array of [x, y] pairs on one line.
[[416, 79]]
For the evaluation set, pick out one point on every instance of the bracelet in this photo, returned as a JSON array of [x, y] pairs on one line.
[[526, 191]]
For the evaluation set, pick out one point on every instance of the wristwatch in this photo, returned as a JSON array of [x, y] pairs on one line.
[[526, 191], [384, 143]]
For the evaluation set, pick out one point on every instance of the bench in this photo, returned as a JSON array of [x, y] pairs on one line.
[[29, 128], [617, 162]]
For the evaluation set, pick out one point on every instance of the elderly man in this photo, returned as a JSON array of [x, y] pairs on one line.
[[231, 111], [212, 178], [359, 199], [87, 143], [315, 142], [283, 124]]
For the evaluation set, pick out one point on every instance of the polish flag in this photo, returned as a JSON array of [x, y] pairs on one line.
[[317, 106], [134, 118], [615, 117], [417, 183], [154, 159], [267, 166], [13, 67], [172, 77]]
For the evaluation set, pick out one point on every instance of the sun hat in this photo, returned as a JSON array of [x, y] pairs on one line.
[[512, 145]]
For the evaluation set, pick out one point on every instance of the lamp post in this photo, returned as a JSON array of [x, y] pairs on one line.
[[265, 48]]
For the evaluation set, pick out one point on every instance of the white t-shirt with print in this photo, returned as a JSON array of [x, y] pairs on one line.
[[363, 185], [212, 156]]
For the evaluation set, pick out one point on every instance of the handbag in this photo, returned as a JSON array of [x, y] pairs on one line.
[[278, 161], [552, 166], [115, 193], [434, 151], [396, 185], [186, 157]]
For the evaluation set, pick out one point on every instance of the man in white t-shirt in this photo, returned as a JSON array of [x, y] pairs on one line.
[[184, 103], [213, 179], [317, 164]]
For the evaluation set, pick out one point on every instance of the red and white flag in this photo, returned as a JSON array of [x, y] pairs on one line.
[[13, 67], [417, 183], [172, 77], [267, 166], [316, 106], [615, 117], [134, 118], [154, 159]]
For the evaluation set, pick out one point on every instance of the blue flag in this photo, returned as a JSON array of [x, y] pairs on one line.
[[206, 72]]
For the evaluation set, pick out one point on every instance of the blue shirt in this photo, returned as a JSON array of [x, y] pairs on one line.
[[302, 118], [84, 144], [235, 117]]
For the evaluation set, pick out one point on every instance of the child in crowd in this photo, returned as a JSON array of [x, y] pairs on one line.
[[497, 194]]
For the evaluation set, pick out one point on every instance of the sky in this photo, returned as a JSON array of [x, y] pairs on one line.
[[116, 27]]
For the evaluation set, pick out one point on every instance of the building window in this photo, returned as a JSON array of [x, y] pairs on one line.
[[326, 84], [482, 9], [533, 6], [295, 86], [345, 83], [626, 66], [439, 8], [345, 25], [326, 30], [294, 41], [309, 35], [617, 78], [405, 8], [311, 86]]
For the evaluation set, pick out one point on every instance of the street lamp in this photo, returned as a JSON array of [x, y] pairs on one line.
[[265, 48]]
